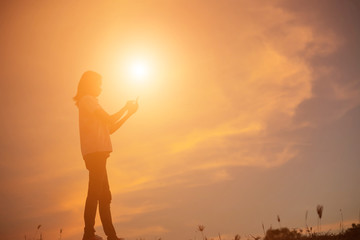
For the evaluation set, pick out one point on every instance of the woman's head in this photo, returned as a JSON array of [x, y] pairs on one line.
[[89, 84]]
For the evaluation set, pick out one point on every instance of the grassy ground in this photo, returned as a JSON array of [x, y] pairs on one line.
[[352, 233]]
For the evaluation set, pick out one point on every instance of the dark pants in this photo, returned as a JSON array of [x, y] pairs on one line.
[[98, 193]]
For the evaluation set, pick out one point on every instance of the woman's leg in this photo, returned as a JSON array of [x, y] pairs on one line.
[[104, 210], [96, 164]]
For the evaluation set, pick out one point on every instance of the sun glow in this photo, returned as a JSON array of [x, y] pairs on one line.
[[139, 71], [136, 72]]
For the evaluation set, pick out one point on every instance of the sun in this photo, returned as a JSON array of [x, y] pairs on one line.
[[139, 71], [136, 72]]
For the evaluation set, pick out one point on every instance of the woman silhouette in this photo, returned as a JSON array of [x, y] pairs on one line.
[[95, 128]]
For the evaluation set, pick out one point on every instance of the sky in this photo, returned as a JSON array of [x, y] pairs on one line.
[[250, 110]]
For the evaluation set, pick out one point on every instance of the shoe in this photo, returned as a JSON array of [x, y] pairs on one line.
[[95, 237]]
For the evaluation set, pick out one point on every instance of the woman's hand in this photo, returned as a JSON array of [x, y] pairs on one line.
[[128, 104], [132, 107]]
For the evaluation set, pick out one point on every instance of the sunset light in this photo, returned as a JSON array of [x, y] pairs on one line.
[[139, 71], [195, 119]]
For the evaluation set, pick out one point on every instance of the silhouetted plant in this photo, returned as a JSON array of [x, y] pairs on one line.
[[37, 231], [319, 210], [282, 234], [201, 229], [341, 222], [353, 232], [278, 219], [263, 227], [60, 233], [255, 238], [308, 229]]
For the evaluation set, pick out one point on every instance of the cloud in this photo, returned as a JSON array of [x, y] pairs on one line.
[[238, 103], [256, 97]]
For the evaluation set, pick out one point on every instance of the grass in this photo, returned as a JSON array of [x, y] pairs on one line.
[[282, 233], [352, 233]]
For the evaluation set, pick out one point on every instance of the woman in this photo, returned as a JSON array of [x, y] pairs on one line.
[[95, 128]]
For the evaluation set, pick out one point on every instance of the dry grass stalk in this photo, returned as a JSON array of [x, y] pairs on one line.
[[37, 230], [255, 238], [263, 227], [341, 222], [278, 219], [319, 210], [60, 233], [201, 229]]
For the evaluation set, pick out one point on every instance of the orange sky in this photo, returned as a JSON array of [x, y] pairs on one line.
[[251, 110]]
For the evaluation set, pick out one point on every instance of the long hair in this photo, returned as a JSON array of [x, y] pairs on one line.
[[88, 81]]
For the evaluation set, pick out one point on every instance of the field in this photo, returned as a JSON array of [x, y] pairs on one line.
[[352, 233]]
